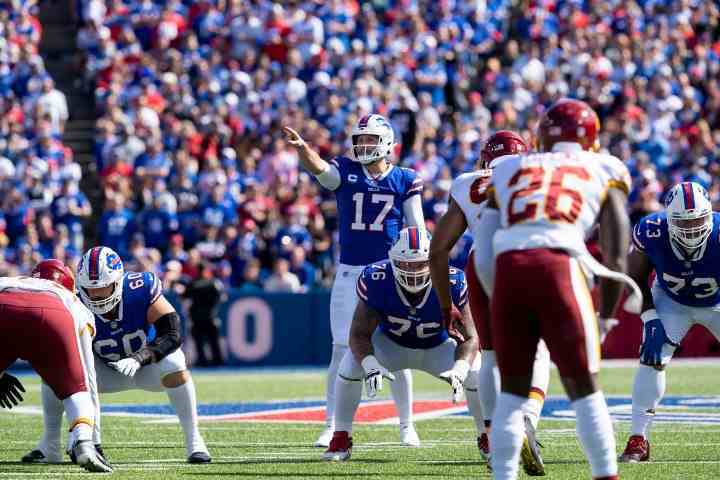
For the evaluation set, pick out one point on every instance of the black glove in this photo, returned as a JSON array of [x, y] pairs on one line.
[[10, 388]]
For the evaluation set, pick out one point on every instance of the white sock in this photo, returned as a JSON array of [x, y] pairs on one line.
[[475, 408], [595, 431], [402, 393], [648, 390], [507, 436], [489, 383], [81, 416], [52, 419], [183, 400], [338, 352], [347, 399], [539, 383]]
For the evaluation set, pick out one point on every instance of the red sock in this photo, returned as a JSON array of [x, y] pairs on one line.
[[611, 477]]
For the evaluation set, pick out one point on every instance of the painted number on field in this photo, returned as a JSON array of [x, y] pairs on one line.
[[240, 315]]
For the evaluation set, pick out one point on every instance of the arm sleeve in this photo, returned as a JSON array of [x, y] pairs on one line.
[[412, 209], [330, 178], [166, 341]]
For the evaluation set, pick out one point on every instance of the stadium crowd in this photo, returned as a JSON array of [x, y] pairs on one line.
[[191, 97]]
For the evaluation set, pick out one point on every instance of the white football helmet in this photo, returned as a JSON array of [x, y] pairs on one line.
[[100, 267], [372, 125], [410, 259], [689, 215]]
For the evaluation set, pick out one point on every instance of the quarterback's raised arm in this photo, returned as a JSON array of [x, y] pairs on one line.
[[614, 242], [364, 323], [327, 175], [449, 229]]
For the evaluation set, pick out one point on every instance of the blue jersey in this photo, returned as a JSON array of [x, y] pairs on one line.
[[370, 212], [692, 281], [120, 338], [418, 326]]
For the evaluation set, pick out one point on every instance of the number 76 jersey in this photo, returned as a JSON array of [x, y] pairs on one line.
[[693, 283], [552, 199]]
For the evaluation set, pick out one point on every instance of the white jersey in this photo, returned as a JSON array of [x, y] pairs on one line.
[[84, 319], [469, 192], [552, 199]]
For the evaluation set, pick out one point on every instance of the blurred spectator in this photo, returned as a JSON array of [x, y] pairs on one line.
[[205, 294], [117, 225], [282, 280], [303, 269]]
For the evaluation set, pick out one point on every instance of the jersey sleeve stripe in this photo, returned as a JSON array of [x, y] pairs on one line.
[[636, 238], [619, 184], [335, 163], [360, 293]]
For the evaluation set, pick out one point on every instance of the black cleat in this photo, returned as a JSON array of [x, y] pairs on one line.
[[199, 457], [35, 456]]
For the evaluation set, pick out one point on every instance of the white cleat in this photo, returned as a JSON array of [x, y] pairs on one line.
[[324, 439], [88, 458], [408, 436]]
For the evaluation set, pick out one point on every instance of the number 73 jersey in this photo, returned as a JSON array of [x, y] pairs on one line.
[[688, 282], [552, 199], [121, 337]]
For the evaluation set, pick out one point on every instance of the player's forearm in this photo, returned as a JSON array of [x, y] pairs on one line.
[[361, 347], [614, 242], [440, 279], [467, 349], [311, 160]]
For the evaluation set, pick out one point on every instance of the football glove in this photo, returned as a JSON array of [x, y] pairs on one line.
[[10, 388], [456, 377], [374, 373], [654, 338], [127, 366], [605, 325]]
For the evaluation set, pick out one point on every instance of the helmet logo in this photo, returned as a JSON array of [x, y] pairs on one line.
[[113, 262]]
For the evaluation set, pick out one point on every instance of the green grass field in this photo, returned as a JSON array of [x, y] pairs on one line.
[[142, 450]]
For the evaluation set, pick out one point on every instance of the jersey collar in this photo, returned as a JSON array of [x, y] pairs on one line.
[[370, 176], [405, 301]]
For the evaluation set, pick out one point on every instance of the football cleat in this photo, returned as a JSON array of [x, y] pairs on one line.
[[324, 439], [483, 443], [636, 450], [89, 459], [199, 457], [37, 456], [340, 448], [532, 462], [408, 435]]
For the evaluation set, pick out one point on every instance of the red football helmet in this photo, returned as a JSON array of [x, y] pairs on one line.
[[503, 142], [569, 120], [55, 270]]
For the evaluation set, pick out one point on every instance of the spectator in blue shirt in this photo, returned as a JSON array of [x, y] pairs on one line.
[[159, 222], [304, 270], [70, 208], [117, 225]]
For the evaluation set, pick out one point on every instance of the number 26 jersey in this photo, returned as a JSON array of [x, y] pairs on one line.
[[693, 283], [552, 199]]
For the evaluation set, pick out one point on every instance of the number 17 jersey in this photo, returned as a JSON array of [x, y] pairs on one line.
[[552, 199], [370, 210]]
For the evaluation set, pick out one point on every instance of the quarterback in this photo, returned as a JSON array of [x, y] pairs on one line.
[[374, 197]]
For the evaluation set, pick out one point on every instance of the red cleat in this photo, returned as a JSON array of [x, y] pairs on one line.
[[637, 450], [340, 448]]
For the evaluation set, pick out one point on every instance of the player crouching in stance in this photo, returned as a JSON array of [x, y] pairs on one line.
[[136, 347], [466, 211], [398, 325], [43, 322], [682, 245]]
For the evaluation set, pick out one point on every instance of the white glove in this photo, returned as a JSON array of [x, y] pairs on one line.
[[456, 377], [605, 325], [374, 373], [126, 366]]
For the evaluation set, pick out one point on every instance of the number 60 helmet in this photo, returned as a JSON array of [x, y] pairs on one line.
[[100, 267], [689, 215], [410, 259]]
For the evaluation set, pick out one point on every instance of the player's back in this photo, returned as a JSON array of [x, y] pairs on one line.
[[469, 192], [412, 326], [694, 283], [370, 209], [552, 199], [80, 313], [121, 337]]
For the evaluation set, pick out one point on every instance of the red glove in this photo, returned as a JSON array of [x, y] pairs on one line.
[[451, 320]]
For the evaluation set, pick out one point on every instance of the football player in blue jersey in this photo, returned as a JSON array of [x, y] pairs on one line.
[[682, 245], [373, 198], [137, 346], [398, 324]]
